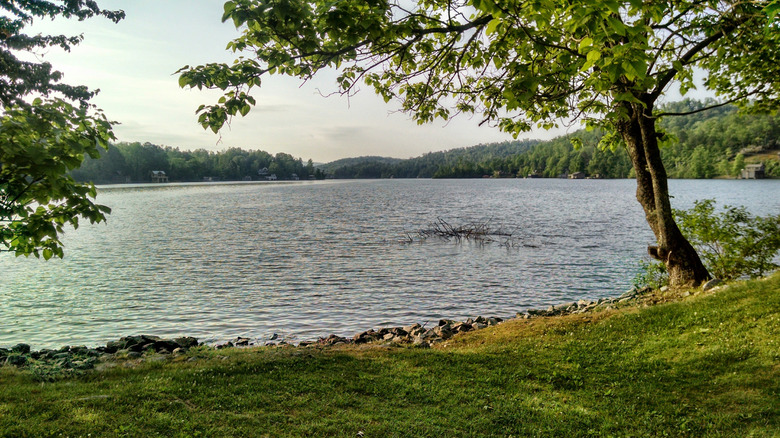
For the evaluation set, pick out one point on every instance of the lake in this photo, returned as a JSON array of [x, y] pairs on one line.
[[308, 259]]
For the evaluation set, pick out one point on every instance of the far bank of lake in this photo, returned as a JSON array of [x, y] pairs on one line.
[[312, 258]]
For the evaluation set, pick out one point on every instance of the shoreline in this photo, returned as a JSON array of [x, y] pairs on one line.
[[77, 359]]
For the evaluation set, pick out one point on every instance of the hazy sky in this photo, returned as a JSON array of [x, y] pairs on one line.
[[133, 64]]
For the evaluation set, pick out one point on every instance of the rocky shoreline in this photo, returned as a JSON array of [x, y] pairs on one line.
[[75, 359]]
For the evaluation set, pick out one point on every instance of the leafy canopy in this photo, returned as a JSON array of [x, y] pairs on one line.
[[47, 128], [516, 63], [40, 144]]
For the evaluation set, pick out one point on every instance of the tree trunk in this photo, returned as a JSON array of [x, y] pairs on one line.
[[639, 134]]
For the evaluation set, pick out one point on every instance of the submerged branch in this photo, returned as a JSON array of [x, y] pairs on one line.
[[479, 232]]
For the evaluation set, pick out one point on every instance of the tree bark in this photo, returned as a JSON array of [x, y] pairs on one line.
[[639, 134]]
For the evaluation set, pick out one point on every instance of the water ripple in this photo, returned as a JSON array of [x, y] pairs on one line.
[[306, 260]]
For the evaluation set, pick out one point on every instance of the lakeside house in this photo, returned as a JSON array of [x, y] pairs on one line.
[[753, 171], [577, 175], [159, 176]]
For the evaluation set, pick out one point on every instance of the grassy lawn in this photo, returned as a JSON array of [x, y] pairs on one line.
[[706, 365]]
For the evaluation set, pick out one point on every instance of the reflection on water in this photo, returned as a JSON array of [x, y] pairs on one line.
[[313, 258]]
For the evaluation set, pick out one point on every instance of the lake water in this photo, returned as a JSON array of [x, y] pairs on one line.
[[309, 259]]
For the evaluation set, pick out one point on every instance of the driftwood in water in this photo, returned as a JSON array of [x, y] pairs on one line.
[[480, 232]]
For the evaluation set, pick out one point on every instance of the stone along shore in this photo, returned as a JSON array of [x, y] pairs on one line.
[[146, 347]]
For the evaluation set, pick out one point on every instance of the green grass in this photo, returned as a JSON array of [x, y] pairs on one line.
[[708, 365]]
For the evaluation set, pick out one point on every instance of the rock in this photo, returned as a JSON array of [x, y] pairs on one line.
[[305, 343], [420, 343], [114, 346], [81, 349], [411, 328], [567, 307], [536, 312], [443, 331], [443, 322], [134, 354], [415, 330], [399, 332], [16, 360], [664, 288], [241, 342], [165, 345], [427, 335], [331, 340], [493, 320], [478, 325], [189, 342], [462, 327], [362, 338], [178, 351], [21, 349], [711, 284]]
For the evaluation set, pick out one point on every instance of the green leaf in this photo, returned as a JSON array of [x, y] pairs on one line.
[[585, 43], [492, 25]]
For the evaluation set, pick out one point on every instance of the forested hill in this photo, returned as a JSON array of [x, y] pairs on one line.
[[427, 165], [357, 161], [134, 162], [708, 144]]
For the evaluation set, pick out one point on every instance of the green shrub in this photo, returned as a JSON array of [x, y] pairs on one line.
[[732, 243], [652, 274]]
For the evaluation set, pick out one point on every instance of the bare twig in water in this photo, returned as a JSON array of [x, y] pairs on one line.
[[479, 232]]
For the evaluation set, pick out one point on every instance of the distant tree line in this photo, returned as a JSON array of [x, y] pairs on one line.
[[715, 143], [134, 162], [427, 165]]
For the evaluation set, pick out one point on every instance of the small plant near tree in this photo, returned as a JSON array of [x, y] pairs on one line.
[[651, 274], [733, 243]]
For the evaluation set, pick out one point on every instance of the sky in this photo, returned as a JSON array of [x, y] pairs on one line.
[[133, 64]]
